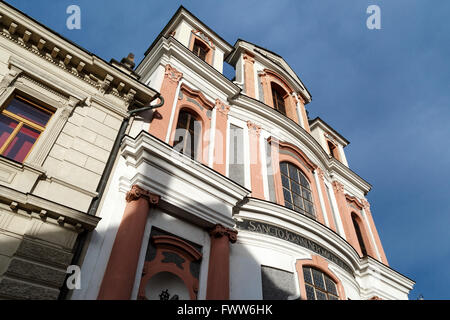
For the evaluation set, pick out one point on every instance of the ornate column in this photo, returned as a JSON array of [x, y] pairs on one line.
[[372, 226], [219, 263], [120, 273], [161, 117], [256, 176], [249, 75], [220, 143]]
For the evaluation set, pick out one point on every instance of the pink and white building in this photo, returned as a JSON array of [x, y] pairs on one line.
[[229, 190]]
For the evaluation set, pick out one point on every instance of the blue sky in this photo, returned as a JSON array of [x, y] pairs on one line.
[[387, 91]]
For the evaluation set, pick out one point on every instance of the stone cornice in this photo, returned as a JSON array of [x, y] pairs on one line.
[[48, 209], [47, 45]]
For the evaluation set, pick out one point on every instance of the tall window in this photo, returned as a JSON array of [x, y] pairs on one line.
[[187, 134], [278, 95], [21, 124], [319, 286], [200, 50], [333, 150], [296, 189], [359, 235]]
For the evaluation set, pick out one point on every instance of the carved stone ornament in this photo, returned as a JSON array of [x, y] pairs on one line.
[[172, 74], [9, 78], [137, 192], [249, 58], [220, 231], [222, 107], [338, 187], [253, 128]]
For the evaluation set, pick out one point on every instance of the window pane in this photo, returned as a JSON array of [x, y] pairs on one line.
[[293, 173], [287, 195], [303, 181], [29, 112], [285, 181], [310, 293], [318, 279], [21, 144], [298, 202], [7, 126], [307, 275], [309, 207], [307, 194], [331, 286], [288, 205], [296, 188], [321, 295], [331, 297], [284, 168]]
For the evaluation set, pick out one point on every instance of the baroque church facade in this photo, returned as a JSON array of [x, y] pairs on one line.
[[167, 180]]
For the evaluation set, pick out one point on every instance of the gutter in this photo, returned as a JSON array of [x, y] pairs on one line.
[[102, 185]]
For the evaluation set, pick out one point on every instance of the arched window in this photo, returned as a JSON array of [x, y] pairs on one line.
[[296, 189], [278, 96], [187, 134], [359, 235], [200, 49], [318, 285]]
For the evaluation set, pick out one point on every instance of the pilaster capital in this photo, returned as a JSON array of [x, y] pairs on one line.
[[338, 187], [137, 192], [248, 58], [253, 128], [220, 231], [366, 204], [172, 74], [222, 107]]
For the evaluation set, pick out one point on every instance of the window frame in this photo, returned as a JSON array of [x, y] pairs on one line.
[[277, 92], [196, 141], [325, 276], [291, 181], [23, 122]]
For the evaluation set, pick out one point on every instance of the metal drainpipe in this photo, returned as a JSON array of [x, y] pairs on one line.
[[102, 185]]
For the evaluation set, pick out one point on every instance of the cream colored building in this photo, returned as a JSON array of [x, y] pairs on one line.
[[61, 110]]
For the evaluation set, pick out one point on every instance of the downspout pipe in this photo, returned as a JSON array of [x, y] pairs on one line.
[[103, 183]]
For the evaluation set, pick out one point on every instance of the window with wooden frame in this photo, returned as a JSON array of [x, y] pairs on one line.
[[278, 97], [200, 49], [188, 133], [296, 190], [318, 285], [21, 124]]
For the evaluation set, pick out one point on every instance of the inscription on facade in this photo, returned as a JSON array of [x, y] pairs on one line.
[[281, 233]]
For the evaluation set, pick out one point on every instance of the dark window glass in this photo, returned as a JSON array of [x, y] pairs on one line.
[[21, 123], [296, 197], [278, 95], [359, 236], [200, 50], [310, 293], [319, 286], [307, 275], [186, 139]]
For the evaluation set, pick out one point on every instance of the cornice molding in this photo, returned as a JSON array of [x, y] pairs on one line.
[[45, 44]]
